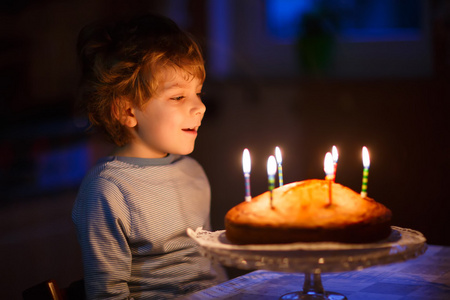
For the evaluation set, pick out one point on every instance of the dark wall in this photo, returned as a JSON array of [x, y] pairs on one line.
[[44, 151]]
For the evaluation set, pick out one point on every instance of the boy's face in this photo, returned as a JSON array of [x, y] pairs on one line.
[[169, 121]]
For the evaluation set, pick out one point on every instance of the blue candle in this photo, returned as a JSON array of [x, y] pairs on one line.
[[246, 166]]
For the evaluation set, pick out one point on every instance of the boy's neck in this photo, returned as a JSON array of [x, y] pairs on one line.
[[135, 151]]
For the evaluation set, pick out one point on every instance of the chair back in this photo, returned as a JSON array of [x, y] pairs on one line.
[[47, 290]]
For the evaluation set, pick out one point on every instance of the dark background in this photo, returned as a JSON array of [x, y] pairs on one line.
[[390, 94]]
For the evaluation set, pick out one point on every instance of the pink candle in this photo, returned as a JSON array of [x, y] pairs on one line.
[[328, 167], [334, 153]]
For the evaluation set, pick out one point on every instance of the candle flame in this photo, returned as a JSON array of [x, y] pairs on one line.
[[328, 166], [271, 166], [335, 154], [366, 158], [246, 161], [278, 155]]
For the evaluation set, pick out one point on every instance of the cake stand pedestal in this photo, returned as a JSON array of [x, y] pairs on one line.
[[312, 259], [313, 290]]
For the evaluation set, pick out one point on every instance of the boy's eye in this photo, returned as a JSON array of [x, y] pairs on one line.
[[201, 95], [177, 98]]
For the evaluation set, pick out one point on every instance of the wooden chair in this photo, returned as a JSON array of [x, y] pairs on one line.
[[47, 290], [75, 291]]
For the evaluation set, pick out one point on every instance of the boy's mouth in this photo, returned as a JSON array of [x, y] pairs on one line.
[[193, 129]]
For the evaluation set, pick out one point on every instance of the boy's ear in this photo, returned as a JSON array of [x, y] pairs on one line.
[[125, 114], [128, 118]]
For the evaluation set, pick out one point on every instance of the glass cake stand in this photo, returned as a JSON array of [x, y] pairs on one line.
[[312, 259]]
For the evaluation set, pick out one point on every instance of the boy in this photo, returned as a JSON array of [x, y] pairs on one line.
[[141, 84]]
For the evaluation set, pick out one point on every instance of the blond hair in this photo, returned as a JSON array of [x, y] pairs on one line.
[[124, 61]]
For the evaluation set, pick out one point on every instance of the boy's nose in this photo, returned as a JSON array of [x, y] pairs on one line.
[[199, 107]]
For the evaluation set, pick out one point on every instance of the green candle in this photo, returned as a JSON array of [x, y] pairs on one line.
[[280, 168], [366, 164], [271, 171]]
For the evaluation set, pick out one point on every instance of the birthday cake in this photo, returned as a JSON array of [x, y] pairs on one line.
[[306, 211]]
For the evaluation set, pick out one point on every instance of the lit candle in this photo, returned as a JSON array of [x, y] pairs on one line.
[[271, 171], [366, 164], [334, 153], [328, 167], [280, 168], [246, 166]]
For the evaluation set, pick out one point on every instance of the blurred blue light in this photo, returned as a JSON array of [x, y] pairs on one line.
[[63, 168], [355, 19], [284, 16]]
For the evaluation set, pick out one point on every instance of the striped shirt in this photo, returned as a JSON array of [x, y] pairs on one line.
[[131, 216]]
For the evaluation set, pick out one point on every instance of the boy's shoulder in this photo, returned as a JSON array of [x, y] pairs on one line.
[[117, 170], [124, 164]]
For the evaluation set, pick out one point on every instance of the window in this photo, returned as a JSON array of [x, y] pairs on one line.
[[353, 19]]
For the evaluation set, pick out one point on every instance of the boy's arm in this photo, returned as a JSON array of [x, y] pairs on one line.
[[102, 219]]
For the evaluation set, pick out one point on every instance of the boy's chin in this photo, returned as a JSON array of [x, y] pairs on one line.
[[185, 151]]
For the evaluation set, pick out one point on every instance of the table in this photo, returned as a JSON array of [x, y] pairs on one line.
[[424, 278]]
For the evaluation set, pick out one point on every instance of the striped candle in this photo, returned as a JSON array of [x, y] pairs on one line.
[[271, 171], [279, 162], [366, 164]]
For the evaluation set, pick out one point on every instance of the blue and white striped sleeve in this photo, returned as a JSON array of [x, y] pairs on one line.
[[103, 223]]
